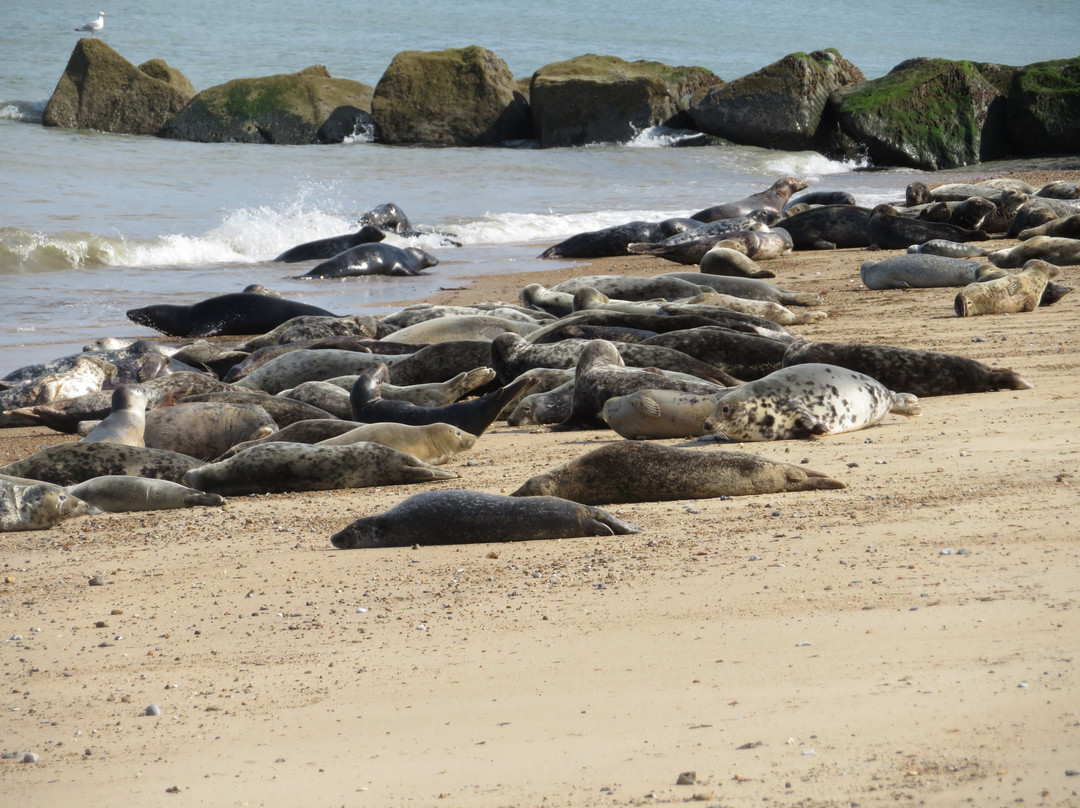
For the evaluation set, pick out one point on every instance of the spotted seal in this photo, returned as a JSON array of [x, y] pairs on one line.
[[375, 258], [234, 313], [71, 463], [467, 517], [1009, 295], [35, 505], [85, 374], [654, 414], [324, 248], [639, 471], [1052, 249], [126, 422], [123, 493], [1063, 227], [278, 467], [921, 373], [773, 198], [806, 400], [750, 288]]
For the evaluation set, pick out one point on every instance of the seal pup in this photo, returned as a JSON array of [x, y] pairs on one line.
[[126, 422], [71, 463], [271, 468], [374, 259], [806, 400], [917, 271], [1009, 295], [773, 198], [611, 241], [921, 373], [124, 493], [231, 314], [35, 505], [474, 415], [1052, 249], [470, 517], [656, 414], [638, 471], [888, 230], [323, 248]]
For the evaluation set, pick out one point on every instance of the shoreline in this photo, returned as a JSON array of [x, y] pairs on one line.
[[801, 648]]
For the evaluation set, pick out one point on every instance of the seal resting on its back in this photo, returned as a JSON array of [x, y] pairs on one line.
[[634, 471], [466, 517]]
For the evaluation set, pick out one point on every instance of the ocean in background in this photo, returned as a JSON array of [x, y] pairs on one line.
[[93, 224]]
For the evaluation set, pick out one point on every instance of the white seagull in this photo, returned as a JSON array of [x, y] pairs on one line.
[[94, 25]]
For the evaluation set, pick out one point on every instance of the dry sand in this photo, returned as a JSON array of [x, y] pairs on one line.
[[794, 649]]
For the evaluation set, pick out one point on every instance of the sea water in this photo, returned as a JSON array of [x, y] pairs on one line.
[[93, 224]]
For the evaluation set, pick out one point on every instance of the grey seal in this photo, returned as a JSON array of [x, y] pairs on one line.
[[689, 247], [85, 374], [773, 198], [236, 313], [829, 227], [71, 463], [949, 249], [205, 429], [549, 407], [34, 505], [1052, 249], [611, 241], [468, 517], [283, 411], [123, 493], [637, 471], [651, 414], [743, 356], [806, 400], [461, 327], [1063, 227], [324, 248], [888, 230], [921, 373], [1009, 295], [632, 287], [375, 258], [277, 467], [917, 271], [126, 422], [750, 288]]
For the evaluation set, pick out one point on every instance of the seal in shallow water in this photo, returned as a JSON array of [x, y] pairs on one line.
[[236, 313], [329, 247], [374, 259], [635, 471], [803, 401], [466, 517]]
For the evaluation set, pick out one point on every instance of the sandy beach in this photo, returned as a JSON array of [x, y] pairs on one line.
[[911, 639]]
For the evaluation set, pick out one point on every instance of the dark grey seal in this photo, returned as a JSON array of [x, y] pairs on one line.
[[615, 240], [234, 314], [773, 198], [829, 227], [888, 230], [324, 248], [374, 259]]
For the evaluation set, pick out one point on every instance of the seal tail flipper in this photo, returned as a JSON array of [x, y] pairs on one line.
[[603, 523], [1005, 379], [905, 404]]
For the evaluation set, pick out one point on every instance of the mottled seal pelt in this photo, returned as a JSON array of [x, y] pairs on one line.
[[637, 471], [231, 314], [468, 517], [323, 248], [949, 249], [611, 241], [652, 414], [888, 230], [921, 373], [473, 415], [309, 431], [278, 467], [631, 287], [461, 327], [689, 247], [1009, 295], [917, 271], [126, 422], [375, 258], [34, 505], [807, 400], [71, 463], [283, 411], [742, 356], [773, 198], [1055, 250], [1064, 227], [433, 443], [205, 429], [123, 493], [749, 288], [85, 374]]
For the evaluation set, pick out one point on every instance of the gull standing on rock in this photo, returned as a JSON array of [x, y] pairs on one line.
[[94, 25]]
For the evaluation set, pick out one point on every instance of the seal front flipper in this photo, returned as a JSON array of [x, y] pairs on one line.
[[806, 423]]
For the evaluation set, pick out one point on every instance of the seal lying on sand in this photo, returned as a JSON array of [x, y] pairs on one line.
[[123, 493], [806, 400], [773, 198], [1009, 295], [635, 471], [33, 505], [466, 517]]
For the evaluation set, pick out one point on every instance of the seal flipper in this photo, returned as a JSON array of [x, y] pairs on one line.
[[905, 404], [806, 423], [601, 523], [646, 406], [1005, 379]]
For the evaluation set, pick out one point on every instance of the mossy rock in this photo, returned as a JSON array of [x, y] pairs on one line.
[[455, 97], [102, 90], [780, 106], [286, 109], [927, 113], [605, 99], [1044, 108]]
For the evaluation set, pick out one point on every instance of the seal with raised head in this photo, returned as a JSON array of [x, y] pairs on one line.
[[803, 401], [921, 373], [773, 198], [71, 463], [638, 471], [323, 248], [270, 468], [1009, 295], [917, 271], [231, 314], [888, 230], [1052, 249], [473, 415], [376, 258], [126, 422], [655, 414], [123, 493], [469, 517], [35, 505]]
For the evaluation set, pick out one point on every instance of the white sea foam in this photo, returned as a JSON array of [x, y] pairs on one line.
[[22, 111]]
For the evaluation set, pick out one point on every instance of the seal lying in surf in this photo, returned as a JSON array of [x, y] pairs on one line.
[[467, 517], [324, 248], [374, 259], [803, 401]]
